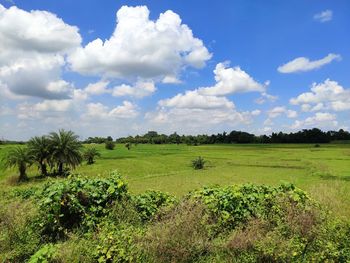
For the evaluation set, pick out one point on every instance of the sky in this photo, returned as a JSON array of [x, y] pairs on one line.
[[119, 68]]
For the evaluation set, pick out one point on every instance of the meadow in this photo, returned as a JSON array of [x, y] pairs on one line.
[[324, 172]]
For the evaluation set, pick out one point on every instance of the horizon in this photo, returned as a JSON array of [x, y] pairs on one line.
[[120, 69]]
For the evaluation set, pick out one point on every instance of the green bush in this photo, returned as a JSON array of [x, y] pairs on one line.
[[234, 205], [44, 254], [198, 163], [150, 202], [78, 202], [109, 145]]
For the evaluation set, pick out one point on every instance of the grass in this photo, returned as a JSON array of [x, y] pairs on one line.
[[324, 172]]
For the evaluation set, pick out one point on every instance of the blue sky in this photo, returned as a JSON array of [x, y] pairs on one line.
[[125, 67]]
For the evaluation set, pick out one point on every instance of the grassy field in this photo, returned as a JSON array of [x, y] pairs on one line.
[[324, 172]]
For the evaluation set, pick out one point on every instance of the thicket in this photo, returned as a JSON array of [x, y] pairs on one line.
[[80, 219]]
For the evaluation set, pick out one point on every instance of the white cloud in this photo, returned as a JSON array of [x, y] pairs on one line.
[[96, 111], [97, 88], [194, 100], [139, 90], [33, 45], [278, 111], [140, 47], [328, 95], [320, 119], [304, 64], [230, 81], [324, 16]]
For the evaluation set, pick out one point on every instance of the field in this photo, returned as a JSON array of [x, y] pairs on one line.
[[324, 172]]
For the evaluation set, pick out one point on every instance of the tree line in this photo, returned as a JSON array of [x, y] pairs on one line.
[[304, 136]]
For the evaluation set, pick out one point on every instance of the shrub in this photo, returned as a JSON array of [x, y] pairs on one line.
[[19, 237], [90, 154], [78, 202], [44, 254], [198, 163], [128, 145], [179, 236], [233, 205], [150, 202], [109, 145]]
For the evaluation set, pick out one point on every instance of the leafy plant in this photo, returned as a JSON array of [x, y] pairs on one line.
[[21, 158], [39, 148], [150, 202], [90, 154], [65, 149], [78, 202], [109, 145], [44, 254], [198, 163]]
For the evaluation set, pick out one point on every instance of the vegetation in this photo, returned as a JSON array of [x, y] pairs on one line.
[[198, 163], [99, 220], [305, 136], [65, 149], [109, 145], [41, 148], [90, 154], [19, 157]]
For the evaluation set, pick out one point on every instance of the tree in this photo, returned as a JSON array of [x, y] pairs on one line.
[[128, 145], [90, 154], [19, 157], [109, 145], [65, 148], [39, 148]]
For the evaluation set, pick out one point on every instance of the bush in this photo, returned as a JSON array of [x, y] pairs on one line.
[[19, 236], [78, 202], [232, 206], [150, 202], [198, 163], [109, 145], [179, 236]]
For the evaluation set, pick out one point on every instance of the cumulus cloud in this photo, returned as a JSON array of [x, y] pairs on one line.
[[320, 119], [140, 47], [97, 88], [194, 100], [33, 45], [324, 16], [139, 90], [304, 64], [278, 111], [328, 95], [96, 111], [230, 81]]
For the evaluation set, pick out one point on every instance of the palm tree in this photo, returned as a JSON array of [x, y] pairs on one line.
[[90, 154], [65, 149], [19, 157], [39, 147]]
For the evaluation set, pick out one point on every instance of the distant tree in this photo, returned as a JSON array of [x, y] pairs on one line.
[[90, 154], [109, 138], [128, 145], [39, 148], [21, 158], [65, 148], [109, 145]]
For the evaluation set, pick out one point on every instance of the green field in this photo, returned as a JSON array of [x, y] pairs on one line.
[[324, 172]]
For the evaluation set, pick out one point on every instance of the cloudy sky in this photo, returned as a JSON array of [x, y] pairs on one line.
[[125, 67]]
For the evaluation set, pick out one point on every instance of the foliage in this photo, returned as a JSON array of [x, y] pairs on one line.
[[44, 254], [234, 205], [78, 202], [109, 145], [65, 149], [19, 237], [150, 202], [90, 154], [118, 243], [198, 163], [178, 236], [39, 148], [21, 158]]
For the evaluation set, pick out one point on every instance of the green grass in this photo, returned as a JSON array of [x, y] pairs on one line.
[[324, 172]]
